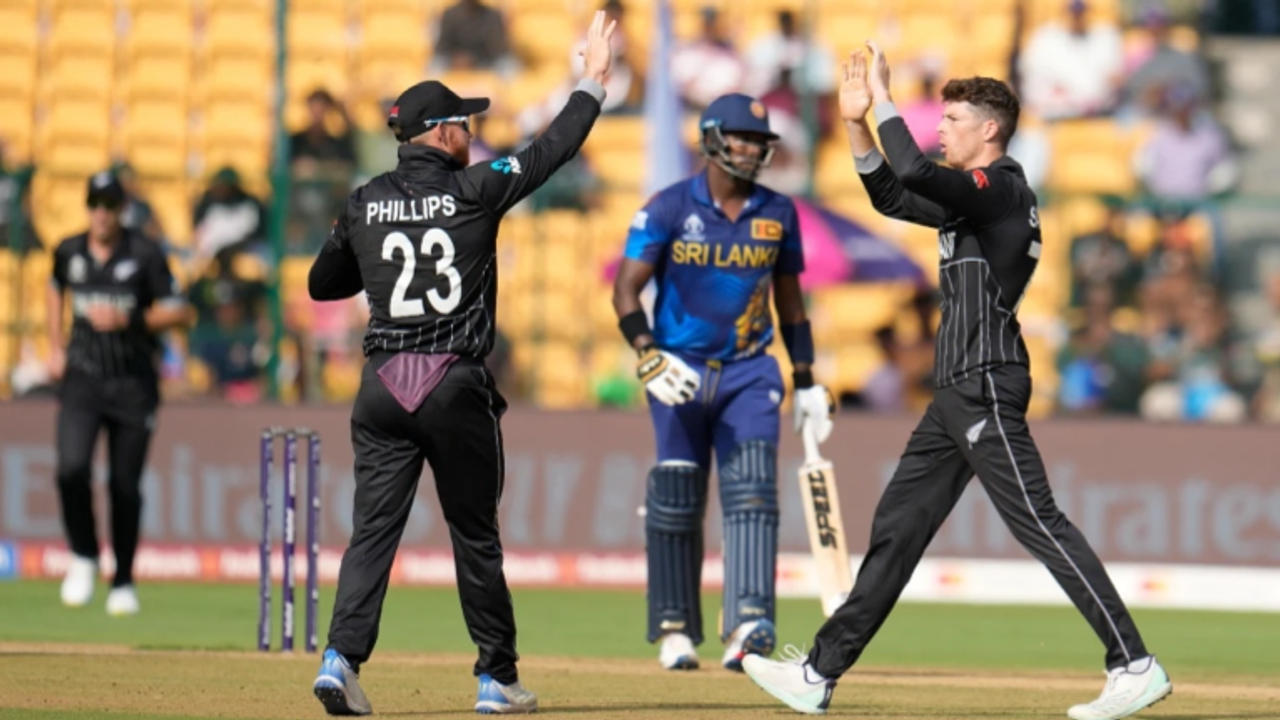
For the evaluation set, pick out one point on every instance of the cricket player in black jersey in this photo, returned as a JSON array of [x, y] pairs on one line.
[[420, 241], [122, 295], [989, 242]]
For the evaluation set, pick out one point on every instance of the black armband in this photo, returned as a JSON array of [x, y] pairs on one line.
[[798, 340], [802, 379], [633, 325]]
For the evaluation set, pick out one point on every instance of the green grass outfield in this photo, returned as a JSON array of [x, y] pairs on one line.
[[1210, 646]]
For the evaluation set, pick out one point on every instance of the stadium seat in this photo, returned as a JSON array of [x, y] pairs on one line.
[[401, 36], [77, 79], [156, 138], [316, 35], [79, 32], [855, 362], [24, 41], [240, 34], [559, 381], [1092, 156], [237, 79], [239, 135], [166, 35], [58, 205], [17, 76], [17, 128], [545, 38], [264, 8], [154, 78]]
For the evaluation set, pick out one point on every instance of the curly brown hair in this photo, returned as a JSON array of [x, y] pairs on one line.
[[992, 97]]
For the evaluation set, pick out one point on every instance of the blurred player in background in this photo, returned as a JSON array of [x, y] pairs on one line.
[[989, 245], [122, 296], [716, 244], [420, 240]]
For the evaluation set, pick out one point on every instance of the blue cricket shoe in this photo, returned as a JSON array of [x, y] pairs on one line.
[[338, 687], [494, 698]]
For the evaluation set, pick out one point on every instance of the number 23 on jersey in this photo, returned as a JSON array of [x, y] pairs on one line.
[[398, 242]]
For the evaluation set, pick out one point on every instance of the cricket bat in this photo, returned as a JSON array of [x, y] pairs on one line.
[[826, 527]]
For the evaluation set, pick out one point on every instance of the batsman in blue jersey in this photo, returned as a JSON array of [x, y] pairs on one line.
[[716, 244]]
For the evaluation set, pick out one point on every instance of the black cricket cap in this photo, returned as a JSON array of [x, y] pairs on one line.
[[105, 187], [427, 102]]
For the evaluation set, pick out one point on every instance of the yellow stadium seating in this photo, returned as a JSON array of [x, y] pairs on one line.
[[264, 8], [1092, 156], [20, 42], [77, 78], [58, 203], [155, 78], [545, 38], [238, 79], [16, 128], [400, 36], [186, 8], [559, 380], [17, 76], [239, 135], [316, 35], [240, 34], [79, 32], [166, 35], [415, 7], [156, 138]]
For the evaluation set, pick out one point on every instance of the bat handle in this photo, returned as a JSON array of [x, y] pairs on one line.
[[810, 442]]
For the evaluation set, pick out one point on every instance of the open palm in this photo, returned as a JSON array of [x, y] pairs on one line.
[[855, 95]]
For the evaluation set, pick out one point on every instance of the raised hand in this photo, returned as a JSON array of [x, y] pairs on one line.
[[598, 54], [855, 96], [879, 79]]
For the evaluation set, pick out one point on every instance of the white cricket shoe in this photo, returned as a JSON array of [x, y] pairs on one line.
[[494, 698], [1129, 689], [754, 637], [122, 600], [677, 652], [77, 585], [794, 682]]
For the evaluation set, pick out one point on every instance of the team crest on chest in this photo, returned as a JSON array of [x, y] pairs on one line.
[[766, 229], [694, 228], [125, 269]]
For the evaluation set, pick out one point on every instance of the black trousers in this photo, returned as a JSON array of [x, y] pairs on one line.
[[125, 407], [977, 426], [457, 432]]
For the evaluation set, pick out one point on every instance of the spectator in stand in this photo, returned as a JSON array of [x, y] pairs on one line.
[[1187, 158], [231, 329], [811, 65], [1103, 257], [473, 36], [1072, 70], [1196, 385], [15, 208], [314, 147], [708, 67], [227, 219], [1101, 369], [1162, 65]]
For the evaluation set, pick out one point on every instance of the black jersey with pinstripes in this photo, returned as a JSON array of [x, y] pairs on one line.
[[988, 247], [132, 279], [420, 240]]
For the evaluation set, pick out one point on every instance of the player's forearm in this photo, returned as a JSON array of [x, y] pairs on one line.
[[901, 150], [626, 303], [569, 129], [861, 142]]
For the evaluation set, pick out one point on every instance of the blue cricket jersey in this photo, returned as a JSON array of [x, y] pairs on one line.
[[713, 275]]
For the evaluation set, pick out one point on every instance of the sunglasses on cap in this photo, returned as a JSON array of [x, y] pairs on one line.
[[108, 203], [462, 121]]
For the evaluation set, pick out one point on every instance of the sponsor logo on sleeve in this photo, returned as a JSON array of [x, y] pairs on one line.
[[509, 165], [640, 220]]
